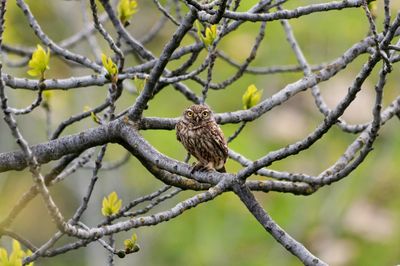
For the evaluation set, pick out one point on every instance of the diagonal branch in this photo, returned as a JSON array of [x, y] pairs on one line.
[[293, 246]]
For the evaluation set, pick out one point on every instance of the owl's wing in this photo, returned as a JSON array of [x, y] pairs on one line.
[[178, 128], [219, 139]]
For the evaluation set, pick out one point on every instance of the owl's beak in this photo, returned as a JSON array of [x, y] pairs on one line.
[[197, 119]]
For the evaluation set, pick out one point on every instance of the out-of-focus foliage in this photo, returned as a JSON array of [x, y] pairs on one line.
[[139, 84], [353, 222]]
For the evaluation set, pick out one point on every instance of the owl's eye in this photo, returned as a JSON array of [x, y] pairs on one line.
[[189, 113], [205, 113]]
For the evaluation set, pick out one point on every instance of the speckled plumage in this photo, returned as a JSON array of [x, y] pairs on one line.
[[203, 138]]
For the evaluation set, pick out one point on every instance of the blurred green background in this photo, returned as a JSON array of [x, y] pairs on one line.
[[353, 222]]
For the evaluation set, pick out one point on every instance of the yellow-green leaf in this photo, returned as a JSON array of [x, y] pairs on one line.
[[134, 238], [126, 8], [16, 247], [199, 34], [139, 84], [3, 257], [39, 62], [111, 204], [95, 118], [210, 34], [130, 243], [17, 254], [373, 8], [251, 97], [110, 66], [47, 95]]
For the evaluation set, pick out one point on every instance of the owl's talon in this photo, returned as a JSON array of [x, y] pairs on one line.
[[200, 167]]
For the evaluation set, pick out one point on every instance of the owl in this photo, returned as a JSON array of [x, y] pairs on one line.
[[202, 138]]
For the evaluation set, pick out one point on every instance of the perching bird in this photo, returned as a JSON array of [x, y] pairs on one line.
[[203, 138]]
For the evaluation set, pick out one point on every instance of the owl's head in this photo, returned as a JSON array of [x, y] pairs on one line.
[[198, 114]]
